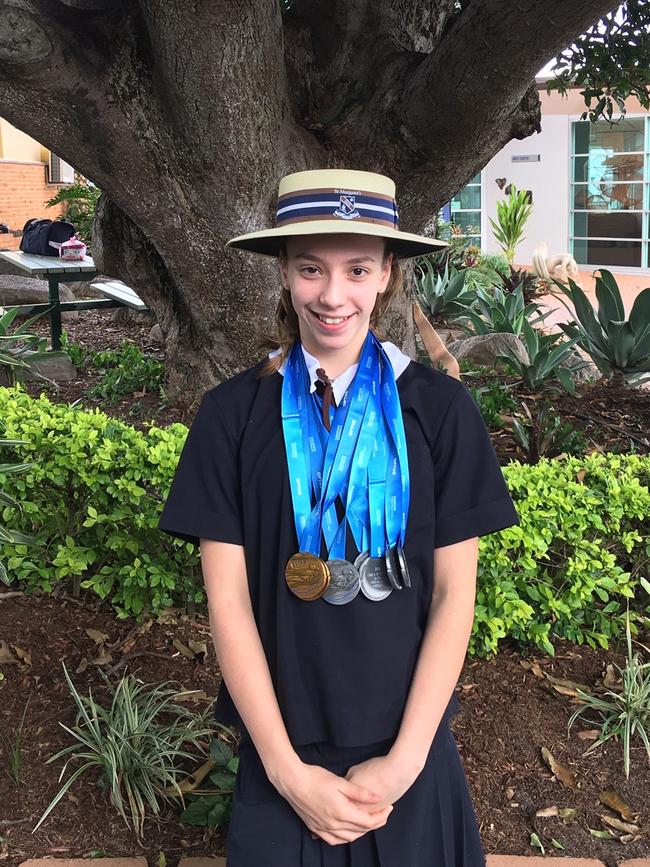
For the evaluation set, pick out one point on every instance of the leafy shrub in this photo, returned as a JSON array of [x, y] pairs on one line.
[[81, 199], [492, 400], [7, 535], [125, 370], [209, 803], [97, 486], [93, 497], [579, 552], [77, 353], [487, 271]]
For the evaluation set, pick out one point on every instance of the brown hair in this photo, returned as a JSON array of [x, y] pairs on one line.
[[286, 319]]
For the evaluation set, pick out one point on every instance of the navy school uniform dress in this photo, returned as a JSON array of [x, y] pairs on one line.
[[341, 673]]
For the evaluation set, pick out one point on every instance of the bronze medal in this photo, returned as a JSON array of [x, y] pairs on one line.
[[307, 576]]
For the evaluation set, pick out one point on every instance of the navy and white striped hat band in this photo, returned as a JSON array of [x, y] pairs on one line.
[[331, 202], [337, 204]]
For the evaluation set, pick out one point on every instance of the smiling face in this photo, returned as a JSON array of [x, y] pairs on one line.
[[334, 281]]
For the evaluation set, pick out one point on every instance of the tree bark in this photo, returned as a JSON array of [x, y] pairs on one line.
[[186, 116]]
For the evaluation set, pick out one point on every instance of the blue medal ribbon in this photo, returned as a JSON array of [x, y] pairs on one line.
[[363, 459]]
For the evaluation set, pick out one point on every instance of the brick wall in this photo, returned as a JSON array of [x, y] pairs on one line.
[[23, 193]]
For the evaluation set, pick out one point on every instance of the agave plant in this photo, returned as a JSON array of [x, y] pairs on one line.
[[512, 216], [545, 359], [441, 294], [20, 350], [619, 348], [499, 312]]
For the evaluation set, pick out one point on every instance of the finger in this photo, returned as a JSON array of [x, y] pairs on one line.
[[371, 822], [355, 792], [363, 819]]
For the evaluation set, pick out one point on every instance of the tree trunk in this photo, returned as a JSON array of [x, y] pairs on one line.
[[186, 116]]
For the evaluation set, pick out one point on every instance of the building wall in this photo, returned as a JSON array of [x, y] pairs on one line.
[[23, 193], [17, 145], [548, 180], [24, 187]]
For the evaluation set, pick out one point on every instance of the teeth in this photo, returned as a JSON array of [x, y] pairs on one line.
[[329, 321]]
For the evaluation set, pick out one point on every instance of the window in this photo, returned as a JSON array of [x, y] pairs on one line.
[[466, 209], [59, 171], [610, 172]]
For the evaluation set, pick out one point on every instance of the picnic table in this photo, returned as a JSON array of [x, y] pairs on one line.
[[61, 271]]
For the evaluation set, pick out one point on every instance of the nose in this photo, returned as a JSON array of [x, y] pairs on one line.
[[332, 293]]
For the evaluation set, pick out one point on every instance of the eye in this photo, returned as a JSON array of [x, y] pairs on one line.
[[310, 270], [358, 271]]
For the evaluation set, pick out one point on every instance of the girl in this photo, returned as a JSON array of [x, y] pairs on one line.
[[338, 490]]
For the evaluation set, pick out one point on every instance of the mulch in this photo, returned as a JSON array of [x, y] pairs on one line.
[[510, 711], [510, 708]]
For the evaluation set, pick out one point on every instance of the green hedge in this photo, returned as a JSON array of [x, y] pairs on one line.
[[96, 489], [93, 498]]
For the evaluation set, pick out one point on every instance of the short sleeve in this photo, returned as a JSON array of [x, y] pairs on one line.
[[204, 500], [471, 495]]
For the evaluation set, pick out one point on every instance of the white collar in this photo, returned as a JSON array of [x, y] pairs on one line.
[[397, 358]]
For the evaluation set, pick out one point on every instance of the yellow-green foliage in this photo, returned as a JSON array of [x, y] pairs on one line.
[[582, 546], [97, 486], [93, 498]]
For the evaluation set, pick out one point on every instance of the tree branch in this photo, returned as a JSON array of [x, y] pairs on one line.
[[492, 46]]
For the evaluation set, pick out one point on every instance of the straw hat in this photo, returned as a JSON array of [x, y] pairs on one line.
[[336, 200]]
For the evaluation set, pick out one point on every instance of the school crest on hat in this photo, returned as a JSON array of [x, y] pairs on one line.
[[330, 201], [347, 207]]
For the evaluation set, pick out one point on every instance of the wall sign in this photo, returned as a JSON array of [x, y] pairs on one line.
[[526, 158]]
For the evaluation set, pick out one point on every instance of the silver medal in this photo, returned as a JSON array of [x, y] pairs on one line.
[[374, 579], [344, 582]]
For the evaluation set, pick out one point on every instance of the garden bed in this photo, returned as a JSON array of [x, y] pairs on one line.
[[611, 419], [509, 711]]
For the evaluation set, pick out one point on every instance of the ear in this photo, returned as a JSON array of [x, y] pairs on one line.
[[284, 270], [386, 272]]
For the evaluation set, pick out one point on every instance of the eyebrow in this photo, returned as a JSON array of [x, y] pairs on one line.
[[356, 261]]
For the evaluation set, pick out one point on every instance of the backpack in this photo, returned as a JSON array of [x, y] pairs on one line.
[[37, 235]]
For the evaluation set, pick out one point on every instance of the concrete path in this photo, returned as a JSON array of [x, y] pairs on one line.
[[492, 861]]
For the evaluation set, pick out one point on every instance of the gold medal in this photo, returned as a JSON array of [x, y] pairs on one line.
[[307, 576]]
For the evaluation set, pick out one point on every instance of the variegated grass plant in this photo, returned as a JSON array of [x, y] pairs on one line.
[[622, 712], [137, 744]]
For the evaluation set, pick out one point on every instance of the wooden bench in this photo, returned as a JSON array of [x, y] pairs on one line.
[[119, 291], [56, 271]]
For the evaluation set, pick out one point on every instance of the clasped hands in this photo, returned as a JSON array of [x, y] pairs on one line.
[[342, 809]]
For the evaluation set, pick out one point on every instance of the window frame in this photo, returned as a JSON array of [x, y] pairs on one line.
[[644, 211]]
